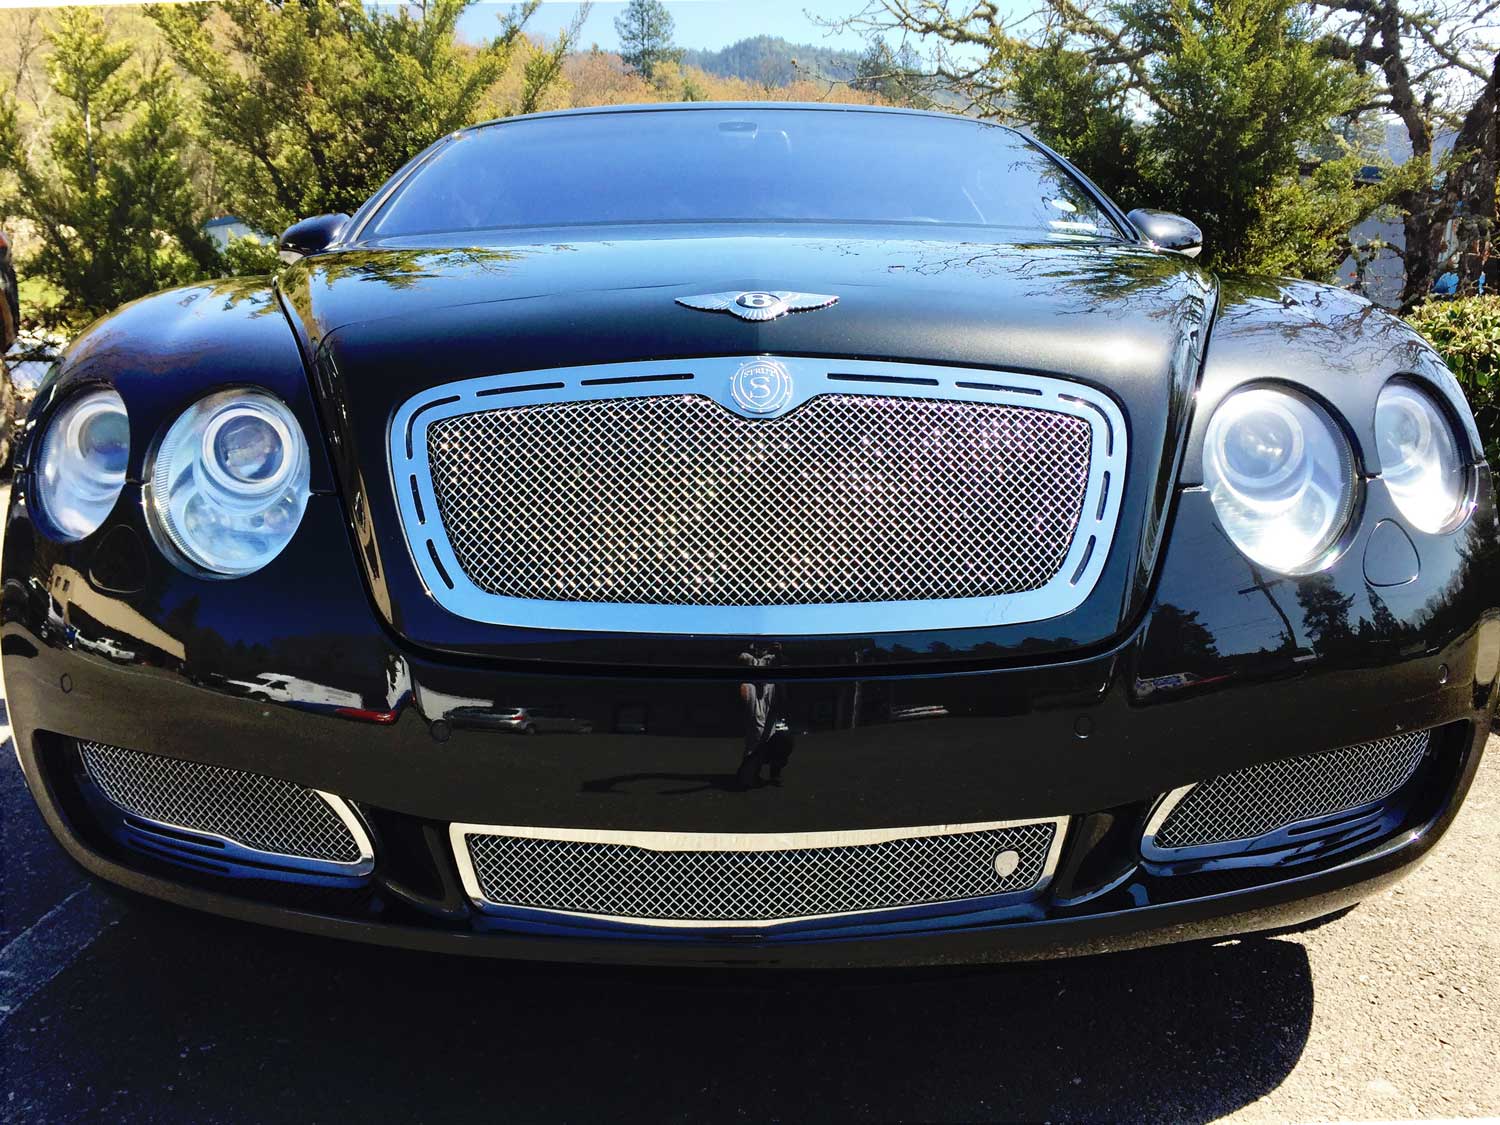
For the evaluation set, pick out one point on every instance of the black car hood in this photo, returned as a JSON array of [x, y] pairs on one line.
[[1098, 310], [383, 322]]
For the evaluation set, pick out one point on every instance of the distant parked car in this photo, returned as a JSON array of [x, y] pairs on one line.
[[105, 646], [289, 689], [520, 720]]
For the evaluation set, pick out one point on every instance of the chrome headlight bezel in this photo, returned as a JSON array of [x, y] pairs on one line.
[[212, 518], [69, 505], [1295, 515]]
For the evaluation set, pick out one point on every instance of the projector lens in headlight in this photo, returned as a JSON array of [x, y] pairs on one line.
[[1419, 458], [80, 467], [1281, 476], [229, 482]]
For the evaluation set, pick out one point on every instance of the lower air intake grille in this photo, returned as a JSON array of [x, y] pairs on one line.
[[1251, 802], [261, 813], [694, 881]]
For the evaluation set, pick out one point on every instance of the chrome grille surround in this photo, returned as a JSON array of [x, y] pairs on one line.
[[723, 880], [1252, 803], [642, 497], [256, 815]]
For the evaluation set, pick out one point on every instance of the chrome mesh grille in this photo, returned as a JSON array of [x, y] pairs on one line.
[[259, 812], [1251, 802], [675, 500], [625, 881]]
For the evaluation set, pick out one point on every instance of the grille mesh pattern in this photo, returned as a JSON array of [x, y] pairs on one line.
[[259, 812], [675, 500], [1251, 802], [624, 881]]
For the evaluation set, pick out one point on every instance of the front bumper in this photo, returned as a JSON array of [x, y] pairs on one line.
[[412, 780], [1078, 915], [1222, 673]]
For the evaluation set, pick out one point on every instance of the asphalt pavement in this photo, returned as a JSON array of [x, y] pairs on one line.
[[121, 1009]]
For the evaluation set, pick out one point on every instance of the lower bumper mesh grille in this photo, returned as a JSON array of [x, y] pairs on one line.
[[264, 814], [722, 880], [1252, 802]]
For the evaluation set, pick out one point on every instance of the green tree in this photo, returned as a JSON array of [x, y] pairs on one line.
[[1467, 334], [543, 68], [1213, 108], [310, 105], [645, 29], [1238, 92], [772, 61], [108, 186], [1434, 67], [692, 89], [896, 76]]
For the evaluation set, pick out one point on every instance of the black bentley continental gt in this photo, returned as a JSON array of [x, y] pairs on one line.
[[751, 534]]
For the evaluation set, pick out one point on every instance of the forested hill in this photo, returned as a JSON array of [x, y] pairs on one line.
[[768, 60]]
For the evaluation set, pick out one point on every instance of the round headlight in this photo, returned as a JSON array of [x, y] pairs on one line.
[[1419, 458], [1281, 476], [80, 468], [229, 482]]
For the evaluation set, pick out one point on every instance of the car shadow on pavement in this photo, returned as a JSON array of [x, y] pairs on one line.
[[176, 1016]]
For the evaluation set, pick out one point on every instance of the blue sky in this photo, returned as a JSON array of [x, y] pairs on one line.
[[700, 23]]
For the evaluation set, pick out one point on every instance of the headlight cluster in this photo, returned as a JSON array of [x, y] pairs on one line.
[[80, 467], [227, 486], [1281, 472], [1281, 476], [229, 482], [1419, 458]]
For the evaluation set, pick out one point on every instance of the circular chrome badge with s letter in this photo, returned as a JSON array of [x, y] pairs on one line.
[[762, 386]]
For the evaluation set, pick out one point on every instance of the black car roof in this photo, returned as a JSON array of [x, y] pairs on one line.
[[689, 107]]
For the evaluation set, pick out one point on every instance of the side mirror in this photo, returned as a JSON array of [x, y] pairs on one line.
[[309, 236], [1167, 231]]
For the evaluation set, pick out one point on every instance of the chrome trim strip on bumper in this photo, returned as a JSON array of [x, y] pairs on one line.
[[739, 842], [1164, 809], [439, 568], [231, 849], [1290, 834]]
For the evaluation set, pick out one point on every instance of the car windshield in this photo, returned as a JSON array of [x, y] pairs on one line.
[[740, 165]]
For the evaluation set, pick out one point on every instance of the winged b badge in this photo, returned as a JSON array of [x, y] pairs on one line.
[[757, 305]]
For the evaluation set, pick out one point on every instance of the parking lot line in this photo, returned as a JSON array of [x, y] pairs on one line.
[[43, 950]]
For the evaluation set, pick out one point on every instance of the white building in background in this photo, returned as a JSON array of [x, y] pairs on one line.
[[1385, 274], [228, 227]]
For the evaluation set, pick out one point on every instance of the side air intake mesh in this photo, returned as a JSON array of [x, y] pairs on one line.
[[1251, 802], [264, 813]]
